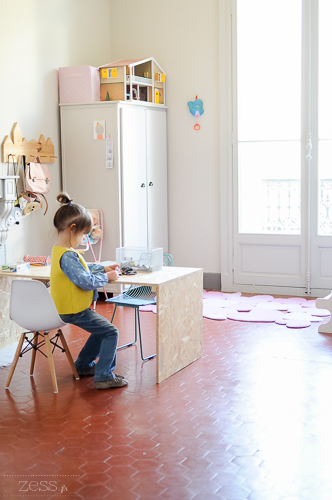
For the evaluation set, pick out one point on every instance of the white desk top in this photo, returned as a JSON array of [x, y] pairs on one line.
[[156, 278]]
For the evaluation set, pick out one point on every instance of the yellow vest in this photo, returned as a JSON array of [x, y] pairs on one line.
[[68, 298]]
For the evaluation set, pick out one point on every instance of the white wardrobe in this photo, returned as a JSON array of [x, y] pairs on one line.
[[132, 194]]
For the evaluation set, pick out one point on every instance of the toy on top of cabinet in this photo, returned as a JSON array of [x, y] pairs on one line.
[[133, 80]]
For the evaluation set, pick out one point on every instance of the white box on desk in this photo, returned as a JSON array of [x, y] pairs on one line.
[[15, 267], [140, 259]]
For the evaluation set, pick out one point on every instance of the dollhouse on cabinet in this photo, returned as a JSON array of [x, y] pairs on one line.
[[133, 80]]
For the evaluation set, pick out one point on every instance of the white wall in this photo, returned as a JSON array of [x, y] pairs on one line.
[[39, 36], [183, 37], [36, 38]]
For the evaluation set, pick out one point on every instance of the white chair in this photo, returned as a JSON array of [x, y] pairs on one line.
[[32, 308], [325, 303]]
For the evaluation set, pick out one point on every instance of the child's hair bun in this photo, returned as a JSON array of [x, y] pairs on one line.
[[71, 214], [63, 198]]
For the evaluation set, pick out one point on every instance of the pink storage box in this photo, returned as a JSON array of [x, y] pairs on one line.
[[79, 84]]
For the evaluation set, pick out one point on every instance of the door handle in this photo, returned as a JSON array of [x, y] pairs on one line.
[[143, 185], [150, 183]]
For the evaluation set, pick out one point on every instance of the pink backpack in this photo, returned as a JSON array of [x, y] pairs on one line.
[[37, 177]]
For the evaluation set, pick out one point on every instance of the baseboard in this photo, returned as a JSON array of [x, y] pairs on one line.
[[212, 281], [277, 290]]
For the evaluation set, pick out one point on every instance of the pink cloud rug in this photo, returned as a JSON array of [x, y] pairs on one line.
[[294, 312]]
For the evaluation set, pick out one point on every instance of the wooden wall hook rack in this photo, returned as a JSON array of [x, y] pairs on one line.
[[18, 147]]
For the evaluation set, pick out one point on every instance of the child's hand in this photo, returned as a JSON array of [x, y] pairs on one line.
[[112, 275], [114, 267]]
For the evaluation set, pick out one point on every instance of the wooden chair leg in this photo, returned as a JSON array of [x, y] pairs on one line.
[[50, 360], [68, 354], [34, 352], [15, 360]]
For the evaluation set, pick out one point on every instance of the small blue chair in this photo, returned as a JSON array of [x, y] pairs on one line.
[[135, 297]]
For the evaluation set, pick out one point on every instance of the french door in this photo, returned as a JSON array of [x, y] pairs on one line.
[[282, 144]]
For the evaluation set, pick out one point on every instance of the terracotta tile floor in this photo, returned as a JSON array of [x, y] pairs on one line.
[[252, 419]]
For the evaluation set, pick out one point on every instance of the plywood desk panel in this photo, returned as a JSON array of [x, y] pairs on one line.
[[179, 323]]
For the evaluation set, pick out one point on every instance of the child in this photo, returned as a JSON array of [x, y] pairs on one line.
[[74, 285]]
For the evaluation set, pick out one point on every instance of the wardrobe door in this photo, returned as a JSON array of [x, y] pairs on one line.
[[84, 172], [157, 178], [133, 172]]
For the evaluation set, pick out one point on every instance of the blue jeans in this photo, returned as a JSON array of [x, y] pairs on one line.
[[102, 342]]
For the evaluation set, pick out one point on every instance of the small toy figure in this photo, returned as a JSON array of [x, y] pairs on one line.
[[15, 216], [31, 206], [29, 202], [196, 107], [127, 270]]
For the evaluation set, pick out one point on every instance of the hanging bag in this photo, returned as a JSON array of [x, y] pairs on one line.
[[32, 201], [37, 177]]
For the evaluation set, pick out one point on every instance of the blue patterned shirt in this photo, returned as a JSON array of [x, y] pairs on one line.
[[87, 280]]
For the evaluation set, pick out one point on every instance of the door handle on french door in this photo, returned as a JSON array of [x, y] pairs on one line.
[[150, 183], [143, 185]]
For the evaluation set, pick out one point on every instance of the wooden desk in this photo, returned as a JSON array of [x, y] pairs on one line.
[[179, 312], [41, 273]]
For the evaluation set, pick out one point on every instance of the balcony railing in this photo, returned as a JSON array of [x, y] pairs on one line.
[[283, 206], [325, 203]]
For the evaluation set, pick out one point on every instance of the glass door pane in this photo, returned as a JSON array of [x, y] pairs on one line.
[[269, 116], [324, 120], [270, 187]]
